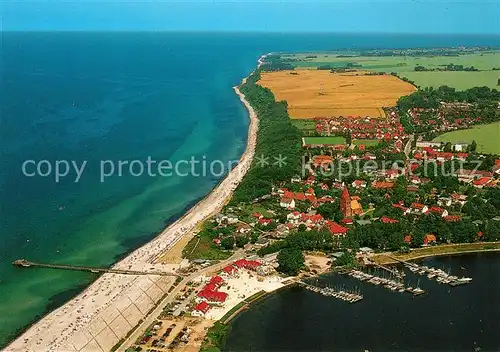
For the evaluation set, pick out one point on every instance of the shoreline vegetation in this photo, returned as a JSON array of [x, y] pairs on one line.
[[437, 251], [108, 292]]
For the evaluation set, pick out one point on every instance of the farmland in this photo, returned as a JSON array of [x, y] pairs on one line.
[[486, 137], [404, 66], [319, 93], [330, 140]]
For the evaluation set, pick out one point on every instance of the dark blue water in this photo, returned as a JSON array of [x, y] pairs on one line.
[[446, 318], [120, 96]]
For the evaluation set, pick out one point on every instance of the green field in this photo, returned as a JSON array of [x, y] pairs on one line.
[[404, 66], [486, 136], [324, 140], [306, 127], [460, 80], [366, 142]]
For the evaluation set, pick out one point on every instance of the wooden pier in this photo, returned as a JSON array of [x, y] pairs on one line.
[[396, 273], [438, 274], [23, 263]]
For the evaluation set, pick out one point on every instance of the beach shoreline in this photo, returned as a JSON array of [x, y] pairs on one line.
[[83, 323]]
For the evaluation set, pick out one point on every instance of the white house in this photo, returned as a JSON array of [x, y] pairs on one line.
[[288, 203], [444, 202], [419, 208], [293, 217], [358, 184]]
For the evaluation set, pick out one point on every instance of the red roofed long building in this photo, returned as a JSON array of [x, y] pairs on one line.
[[336, 229]]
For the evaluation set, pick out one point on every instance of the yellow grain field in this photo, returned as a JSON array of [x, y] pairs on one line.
[[319, 93]]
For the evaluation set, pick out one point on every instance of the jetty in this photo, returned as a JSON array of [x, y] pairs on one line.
[[395, 272], [393, 285], [23, 263], [344, 295], [439, 275]]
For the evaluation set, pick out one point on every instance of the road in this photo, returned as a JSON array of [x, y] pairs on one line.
[[408, 145], [150, 318]]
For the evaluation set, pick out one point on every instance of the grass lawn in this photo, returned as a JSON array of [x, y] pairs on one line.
[[486, 136], [325, 140], [366, 142], [305, 126], [202, 247], [404, 66], [255, 208]]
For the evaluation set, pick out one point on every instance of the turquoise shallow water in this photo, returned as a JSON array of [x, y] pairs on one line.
[[118, 96]]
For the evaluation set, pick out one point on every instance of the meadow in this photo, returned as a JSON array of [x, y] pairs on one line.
[[319, 93], [324, 140], [486, 136], [404, 66], [366, 142]]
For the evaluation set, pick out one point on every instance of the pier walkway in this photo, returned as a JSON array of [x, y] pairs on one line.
[[23, 263]]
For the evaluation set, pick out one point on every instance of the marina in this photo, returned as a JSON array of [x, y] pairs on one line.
[[392, 285], [439, 275], [342, 294]]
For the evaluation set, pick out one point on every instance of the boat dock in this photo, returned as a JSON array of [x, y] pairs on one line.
[[437, 274], [23, 263], [387, 283], [395, 272], [344, 295]]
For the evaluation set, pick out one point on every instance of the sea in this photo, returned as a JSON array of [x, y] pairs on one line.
[[96, 100]]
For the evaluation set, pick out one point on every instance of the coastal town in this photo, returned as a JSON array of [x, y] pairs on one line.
[[356, 195]]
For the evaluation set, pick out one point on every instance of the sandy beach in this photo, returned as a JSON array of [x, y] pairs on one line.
[[100, 316]]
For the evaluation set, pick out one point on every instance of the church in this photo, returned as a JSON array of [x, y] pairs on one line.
[[349, 206]]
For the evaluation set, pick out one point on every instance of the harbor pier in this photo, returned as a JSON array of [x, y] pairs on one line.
[[23, 263]]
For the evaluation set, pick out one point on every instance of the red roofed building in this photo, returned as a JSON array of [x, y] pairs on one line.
[[265, 222], [336, 229], [382, 185], [387, 220], [429, 238], [419, 208], [257, 215], [392, 173], [438, 211], [481, 182], [216, 297], [452, 218], [200, 309], [322, 160], [288, 203], [217, 281], [400, 206], [347, 221], [229, 270], [407, 239], [247, 264], [358, 184]]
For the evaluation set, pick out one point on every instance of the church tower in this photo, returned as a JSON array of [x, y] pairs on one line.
[[345, 203]]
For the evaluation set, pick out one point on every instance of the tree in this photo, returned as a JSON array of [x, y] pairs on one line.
[[241, 241], [348, 138], [473, 146], [227, 242], [290, 261]]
